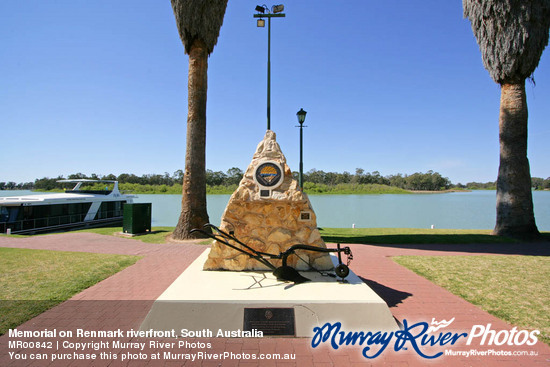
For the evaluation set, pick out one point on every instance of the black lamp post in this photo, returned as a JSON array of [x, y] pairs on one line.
[[275, 13], [301, 118]]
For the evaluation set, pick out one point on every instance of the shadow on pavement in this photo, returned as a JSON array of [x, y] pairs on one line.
[[391, 296], [471, 243]]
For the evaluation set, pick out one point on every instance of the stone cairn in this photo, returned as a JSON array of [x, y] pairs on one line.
[[269, 222]]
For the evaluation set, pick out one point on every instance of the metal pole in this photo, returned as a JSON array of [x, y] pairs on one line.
[[269, 16], [268, 73], [301, 178]]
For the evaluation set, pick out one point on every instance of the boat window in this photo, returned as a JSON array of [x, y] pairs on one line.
[[28, 212], [59, 210], [79, 208], [118, 208], [13, 213], [110, 209], [4, 214]]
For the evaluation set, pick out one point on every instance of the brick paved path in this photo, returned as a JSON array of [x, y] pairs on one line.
[[123, 300]]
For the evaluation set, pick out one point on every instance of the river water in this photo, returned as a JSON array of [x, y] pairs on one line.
[[457, 210]]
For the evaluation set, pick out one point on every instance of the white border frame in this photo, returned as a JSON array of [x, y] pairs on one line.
[[270, 188]]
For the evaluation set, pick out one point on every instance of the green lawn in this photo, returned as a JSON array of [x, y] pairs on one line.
[[33, 281], [157, 234], [513, 288], [355, 235], [410, 236], [358, 235]]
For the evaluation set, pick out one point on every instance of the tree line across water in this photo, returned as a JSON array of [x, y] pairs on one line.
[[315, 182]]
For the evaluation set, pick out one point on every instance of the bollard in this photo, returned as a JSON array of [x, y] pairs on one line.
[[8, 231]]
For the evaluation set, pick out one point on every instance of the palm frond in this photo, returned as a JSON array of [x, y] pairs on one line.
[[199, 19], [511, 35]]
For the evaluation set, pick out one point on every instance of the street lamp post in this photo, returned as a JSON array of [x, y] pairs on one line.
[[275, 13], [301, 118]]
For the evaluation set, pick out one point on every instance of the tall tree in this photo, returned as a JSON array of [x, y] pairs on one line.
[[511, 35], [199, 23]]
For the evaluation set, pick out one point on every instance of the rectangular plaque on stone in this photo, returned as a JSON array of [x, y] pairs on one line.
[[270, 321]]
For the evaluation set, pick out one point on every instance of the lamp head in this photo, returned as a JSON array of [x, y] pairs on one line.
[[301, 116], [260, 23], [260, 9]]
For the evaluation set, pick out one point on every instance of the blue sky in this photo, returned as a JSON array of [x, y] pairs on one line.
[[389, 86]]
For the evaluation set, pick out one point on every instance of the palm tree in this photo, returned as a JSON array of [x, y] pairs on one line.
[[199, 23], [511, 35]]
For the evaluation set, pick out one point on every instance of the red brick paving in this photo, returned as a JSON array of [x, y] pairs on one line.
[[123, 300]]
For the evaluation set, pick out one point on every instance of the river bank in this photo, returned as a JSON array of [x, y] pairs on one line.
[[309, 188]]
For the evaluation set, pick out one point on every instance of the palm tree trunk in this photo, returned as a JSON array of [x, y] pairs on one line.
[[515, 217], [193, 204]]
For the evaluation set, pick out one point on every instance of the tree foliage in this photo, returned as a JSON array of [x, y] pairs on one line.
[[199, 19], [315, 180], [429, 181], [511, 35]]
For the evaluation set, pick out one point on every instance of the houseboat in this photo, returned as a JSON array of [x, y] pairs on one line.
[[60, 211]]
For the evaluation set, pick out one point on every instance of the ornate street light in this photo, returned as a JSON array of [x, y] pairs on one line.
[[301, 118], [275, 13]]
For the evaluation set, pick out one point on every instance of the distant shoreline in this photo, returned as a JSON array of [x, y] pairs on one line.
[[440, 191], [218, 191], [229, 191]]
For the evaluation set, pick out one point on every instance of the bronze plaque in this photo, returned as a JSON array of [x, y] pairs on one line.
[[270, 321]]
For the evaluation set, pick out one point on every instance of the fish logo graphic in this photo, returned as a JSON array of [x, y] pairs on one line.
[[439, 325]]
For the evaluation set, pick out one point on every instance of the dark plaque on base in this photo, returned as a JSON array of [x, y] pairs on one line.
[[270, 321]]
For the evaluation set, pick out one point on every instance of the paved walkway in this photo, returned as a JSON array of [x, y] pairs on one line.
[[123, 300]]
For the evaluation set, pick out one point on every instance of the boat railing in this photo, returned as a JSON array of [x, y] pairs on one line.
[[98, 192], [27, 225]]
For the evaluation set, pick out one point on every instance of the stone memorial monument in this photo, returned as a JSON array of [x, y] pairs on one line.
[[269, 212]]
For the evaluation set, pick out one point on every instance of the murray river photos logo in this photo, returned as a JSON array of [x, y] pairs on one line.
[[421, 337]]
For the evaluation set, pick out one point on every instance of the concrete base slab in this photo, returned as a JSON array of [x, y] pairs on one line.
[[215, 300]]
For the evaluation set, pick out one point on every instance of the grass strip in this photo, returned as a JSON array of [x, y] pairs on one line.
[[375, 236], [356, 235], [410, 236], [157, 234], [512, 288], [33, 281], [351, 235]]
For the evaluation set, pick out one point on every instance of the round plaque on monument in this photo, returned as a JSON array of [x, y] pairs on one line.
[[269, 175]]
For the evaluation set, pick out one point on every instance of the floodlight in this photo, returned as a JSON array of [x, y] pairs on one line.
[[260, 9], [278, 8]]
